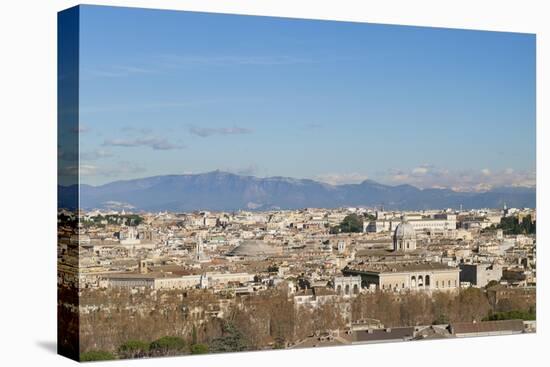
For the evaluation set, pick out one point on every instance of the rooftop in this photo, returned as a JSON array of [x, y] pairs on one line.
[[387, 334], [399, 267]]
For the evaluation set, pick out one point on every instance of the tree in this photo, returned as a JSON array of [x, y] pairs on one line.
[[199, 349], [96, 355], [369, 216], [194, 335], [167, 346], [512, 315], [134, 349], [442, 307], [334, 230], [232, 340], [472, 304], [512, 225], [351, 224]]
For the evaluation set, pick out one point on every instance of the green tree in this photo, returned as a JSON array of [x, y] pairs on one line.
[[232, 340], [96, 355], [351, 224], [512, 315], [134, 349], [334, 230], [167, 346], [370, 216], [512, 225], [199, 349], [194, 335]]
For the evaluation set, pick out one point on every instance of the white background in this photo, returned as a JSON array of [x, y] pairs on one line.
[[28, 180]]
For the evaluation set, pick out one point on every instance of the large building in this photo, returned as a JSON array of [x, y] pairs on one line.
[[167, 281], [406, 276], [436, 223]]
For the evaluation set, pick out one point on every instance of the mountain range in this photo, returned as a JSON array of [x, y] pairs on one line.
[[227, 192]]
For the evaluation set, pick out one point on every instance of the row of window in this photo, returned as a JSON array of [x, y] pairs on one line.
[[347, 289], [421, 284]]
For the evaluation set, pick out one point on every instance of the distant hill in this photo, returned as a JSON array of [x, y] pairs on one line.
[[226, 192]]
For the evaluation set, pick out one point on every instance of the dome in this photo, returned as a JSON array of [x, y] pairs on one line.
[[254, 248], [405, 230]]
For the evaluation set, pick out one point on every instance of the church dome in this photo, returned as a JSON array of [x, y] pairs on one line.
[[404, 231], [254, 248]]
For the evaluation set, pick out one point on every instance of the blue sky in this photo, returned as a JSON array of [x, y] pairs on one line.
[[166, 92]]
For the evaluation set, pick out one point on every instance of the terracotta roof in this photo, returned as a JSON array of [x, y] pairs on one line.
[[374, 335]]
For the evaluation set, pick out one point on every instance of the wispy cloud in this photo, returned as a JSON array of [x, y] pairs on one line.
[[139, 130], [117, 71], [429, 176], [341, 178], [119, 169], [161, 64], [95, 154], [204, 132], [151, 142], [176, 61]]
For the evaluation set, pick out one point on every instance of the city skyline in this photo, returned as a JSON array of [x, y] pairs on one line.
[[331, 101]]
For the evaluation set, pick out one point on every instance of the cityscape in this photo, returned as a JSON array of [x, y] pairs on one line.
[[211, 282], [233, 183]]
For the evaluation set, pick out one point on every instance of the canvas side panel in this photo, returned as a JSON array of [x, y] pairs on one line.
[[68, 182]]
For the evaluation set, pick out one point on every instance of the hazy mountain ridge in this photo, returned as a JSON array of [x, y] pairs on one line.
[[226, 191]]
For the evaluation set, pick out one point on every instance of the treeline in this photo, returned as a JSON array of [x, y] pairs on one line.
[[165, 346], [119, 324], [145, 315], [512, 225], [513, 315], [271, 320], [264, 321], [126, 219], [418, 308]]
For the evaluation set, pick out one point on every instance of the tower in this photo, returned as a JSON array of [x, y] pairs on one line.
[[198, 248]]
